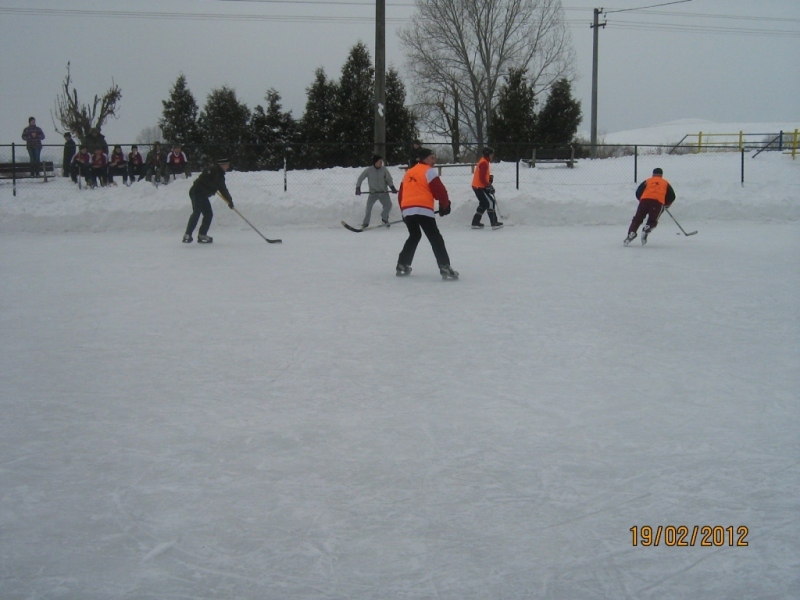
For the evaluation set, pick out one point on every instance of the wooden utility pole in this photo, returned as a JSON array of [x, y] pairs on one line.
[[596, 27], [380, 77]]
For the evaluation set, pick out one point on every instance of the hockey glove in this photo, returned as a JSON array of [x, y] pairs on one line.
[[444, 210], [490, 189], [491, 179], [393, 189], [358, 191], [230, 204]]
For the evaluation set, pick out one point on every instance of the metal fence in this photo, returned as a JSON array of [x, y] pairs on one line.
[[306, 166]]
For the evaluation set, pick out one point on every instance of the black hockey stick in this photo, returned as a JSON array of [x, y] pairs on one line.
[[359, 230], [269, 241], [678, 224]]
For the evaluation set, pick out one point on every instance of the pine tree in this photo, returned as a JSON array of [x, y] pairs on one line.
[[316, 126], [224, 128], [401, 123], [272, 130], [513, 126], [179, 118], [354, 124], [559, 119]]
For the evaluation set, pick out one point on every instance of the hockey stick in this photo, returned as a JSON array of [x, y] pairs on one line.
[[269, 241], [678, 224], [497, 206], [359, 230]]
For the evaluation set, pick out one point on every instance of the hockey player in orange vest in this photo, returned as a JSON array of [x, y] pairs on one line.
[[484, 190], [421, 186], [654, 194]]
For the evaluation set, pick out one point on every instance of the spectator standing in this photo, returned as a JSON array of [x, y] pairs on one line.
[[653, 194], [135, 164], [484, 190], [117, 165], [413, 155], [177, 163], [69, 152], [33, 137], [156, 162], [82, 165], [422, 186], [99, 168], [95, 140], [380, 182], [208, 183]]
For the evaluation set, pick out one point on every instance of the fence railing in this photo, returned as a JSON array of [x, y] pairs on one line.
[[290, 167]]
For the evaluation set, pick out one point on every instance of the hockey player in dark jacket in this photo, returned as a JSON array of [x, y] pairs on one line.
[[208, 183]]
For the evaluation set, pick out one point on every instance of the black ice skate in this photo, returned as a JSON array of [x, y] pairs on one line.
[[402, 270], [204, 239], [187, 239], [630, 238], [447, 272]]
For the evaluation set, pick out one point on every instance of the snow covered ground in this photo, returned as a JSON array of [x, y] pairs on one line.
[[245, 420]]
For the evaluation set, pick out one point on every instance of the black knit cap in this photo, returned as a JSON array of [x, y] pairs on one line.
[[487, 152], [376, 158], [658, 171], [223, 161], [424, 153]]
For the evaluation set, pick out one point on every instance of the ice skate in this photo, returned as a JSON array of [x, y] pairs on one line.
[[402, 270], [630, 238], [204, 239], [645, 233], [187, 239], [447, 272]]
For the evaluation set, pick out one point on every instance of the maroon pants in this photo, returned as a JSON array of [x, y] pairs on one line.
[[650, 209]]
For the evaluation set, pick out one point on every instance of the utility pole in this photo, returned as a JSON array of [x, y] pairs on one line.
[[595, 26], [380, 78]]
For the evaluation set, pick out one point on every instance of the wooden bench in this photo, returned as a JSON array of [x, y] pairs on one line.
[[552, 155], [21, 170]]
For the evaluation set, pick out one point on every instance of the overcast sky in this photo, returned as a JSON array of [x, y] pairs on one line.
[[719, 60]]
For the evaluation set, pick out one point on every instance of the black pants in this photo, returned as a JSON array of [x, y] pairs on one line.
[[650, 209], [120, 170], [200, 206], [485, 203], [136, 171], [416, 224]]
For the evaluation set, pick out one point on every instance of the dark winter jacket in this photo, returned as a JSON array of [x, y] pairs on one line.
[[33, 136], [95, 141], [69, 151], [156, 157], [211, 181]]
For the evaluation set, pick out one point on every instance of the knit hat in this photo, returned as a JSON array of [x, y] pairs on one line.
[[658, 171], [223, 161], [376, 158], [424, 153], [487, 152]]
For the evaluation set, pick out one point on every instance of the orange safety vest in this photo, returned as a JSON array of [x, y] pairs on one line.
[[416, 192], [477, 180], [655, 188]]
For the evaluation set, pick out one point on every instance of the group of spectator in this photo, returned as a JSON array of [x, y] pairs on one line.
[[93, 163]]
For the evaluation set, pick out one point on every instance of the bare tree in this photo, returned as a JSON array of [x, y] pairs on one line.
[[81, 118], [461, 49]]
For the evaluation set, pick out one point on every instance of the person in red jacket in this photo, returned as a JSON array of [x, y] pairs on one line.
[[653, 194], [422, 186], [99, 167], [135, 164], [177, 163], [80, 165], [484, 191], [117, 165]]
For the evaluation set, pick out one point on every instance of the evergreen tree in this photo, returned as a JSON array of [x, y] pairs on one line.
[[513, 126], [401, 123], [272, 130], [559, 119], [224, 128], [354, 124], [179, 118], [316, 127]]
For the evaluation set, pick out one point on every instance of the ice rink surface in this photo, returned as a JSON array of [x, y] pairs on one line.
[[253, 421]]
